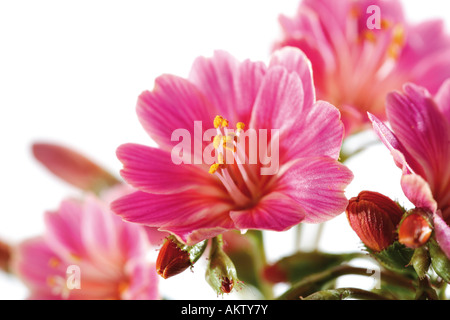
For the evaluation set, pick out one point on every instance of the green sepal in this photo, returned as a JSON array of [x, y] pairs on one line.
[[439, 261], [421, 261], [396, 257]]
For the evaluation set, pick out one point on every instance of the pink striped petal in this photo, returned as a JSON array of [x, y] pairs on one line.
[[33, 263], [216, 77], [417, 190], [163, 110], [64, 232], [273, 212], [180, 213], [423, 131], [401, 156], [317, 185], [296, 61], [143, 283], [442, 99], [442, 231], [319, 133], [152, 170]]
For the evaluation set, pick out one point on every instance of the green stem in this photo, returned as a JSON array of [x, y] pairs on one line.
[[261, 261], [345, 293], [317, 281], [298, 236]]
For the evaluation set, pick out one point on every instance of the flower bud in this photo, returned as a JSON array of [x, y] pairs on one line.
[[374, 217], [5, 256], [220, 273], [175, 257], [73, 167], [414, 230]]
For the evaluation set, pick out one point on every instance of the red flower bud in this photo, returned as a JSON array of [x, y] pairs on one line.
[[374, 217], [171, 260], [72, 167], [5, 256], [414, 230], [174, 257]]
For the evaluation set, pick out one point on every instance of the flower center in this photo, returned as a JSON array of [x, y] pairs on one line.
[[232, 164]]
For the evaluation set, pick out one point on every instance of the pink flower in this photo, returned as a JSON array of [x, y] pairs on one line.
[[199, 201], [354, 66], [420, 145], [86, 253]]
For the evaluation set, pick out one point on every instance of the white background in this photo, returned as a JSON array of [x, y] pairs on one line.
[[71, 71]]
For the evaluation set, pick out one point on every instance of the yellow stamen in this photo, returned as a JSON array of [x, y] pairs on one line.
[[228, 142], [217, 140], [54, 262], [224, 123], [220, 158], [385, 24], [218, 121], [75, 257], [370, 36], [51, 281], [214, 168], [240, 126], [398, 35]]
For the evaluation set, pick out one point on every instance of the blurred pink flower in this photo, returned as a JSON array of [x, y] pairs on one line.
[[193, 204], [355, 66], [84, 235], [420, 145]]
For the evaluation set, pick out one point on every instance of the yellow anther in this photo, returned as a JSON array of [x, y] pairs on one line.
[[224, 123], [51, 281], [214, 168], [370, 36], [240, 126], [217, 140], [218, 121], [385, 24], [54, 262], [398, 35], [355, 12]]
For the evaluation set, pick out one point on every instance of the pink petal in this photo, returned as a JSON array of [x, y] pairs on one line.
[[317, 185], [163, 110], [216, 77], [229, 85], [442, 99], [64, 230], [180, 213], [143, 283], [417, 190], [442, 231], [319, 133], [152, 170], [279, 102], [32, 262], [295, 60], [420, 127], [273, 212], [398, 151]]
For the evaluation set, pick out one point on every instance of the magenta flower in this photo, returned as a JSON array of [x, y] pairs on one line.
[[194, 200], [86, 253], [420, 145], [360, 50]]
